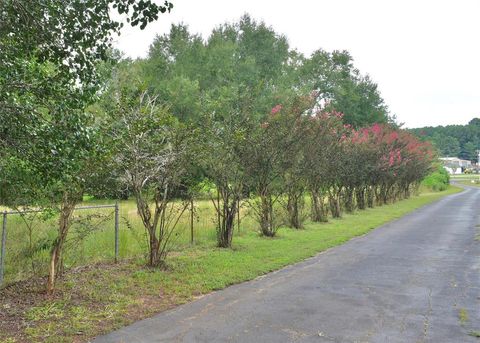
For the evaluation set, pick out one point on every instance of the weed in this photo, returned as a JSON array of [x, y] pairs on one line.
[[474, 334], [463, 316]]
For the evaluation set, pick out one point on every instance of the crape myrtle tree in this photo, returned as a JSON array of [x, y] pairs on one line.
[[355, 171], [322, 150], [49, 52], [150, 150], [338, 168], [363, 156], [417, 161], [294, 175], [225, 85], [358, 167], [222, 164], [272, 147], [388, 162], [227, 107], [398, 160]]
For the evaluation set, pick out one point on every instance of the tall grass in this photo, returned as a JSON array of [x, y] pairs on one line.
[[92, 236]]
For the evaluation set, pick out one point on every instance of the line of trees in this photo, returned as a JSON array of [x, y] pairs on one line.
[[240, 111], [295, 152]]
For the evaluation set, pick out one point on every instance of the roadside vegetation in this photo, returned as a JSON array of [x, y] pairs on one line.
[[266, 152], [100, 297], [438, 180], [466, 179]]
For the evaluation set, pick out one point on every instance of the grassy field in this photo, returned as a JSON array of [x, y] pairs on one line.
[[467, 179], [99, 298], [92, 237]]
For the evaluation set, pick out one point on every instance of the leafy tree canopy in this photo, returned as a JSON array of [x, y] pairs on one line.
[[50, 51], [246, 64]]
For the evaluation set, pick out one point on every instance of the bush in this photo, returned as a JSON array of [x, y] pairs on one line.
[[438, 180]]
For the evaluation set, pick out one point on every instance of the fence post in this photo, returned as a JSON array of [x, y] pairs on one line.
[[116, 231], [238, 215], [191, 220], [3, 250]]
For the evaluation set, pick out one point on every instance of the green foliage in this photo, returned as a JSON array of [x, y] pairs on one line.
[[148, 153], [249, 65], [437, 180], [48, 74], [340, 86]]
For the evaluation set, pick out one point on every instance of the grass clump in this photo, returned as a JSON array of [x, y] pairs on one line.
[[463, 316], [474, 333]]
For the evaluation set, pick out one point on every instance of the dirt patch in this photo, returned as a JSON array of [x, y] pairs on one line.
[[89, 301]]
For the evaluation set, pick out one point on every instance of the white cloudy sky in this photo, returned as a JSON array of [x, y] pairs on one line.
[[424, 54]]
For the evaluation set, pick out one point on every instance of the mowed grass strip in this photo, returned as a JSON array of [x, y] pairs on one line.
[[99, 298]]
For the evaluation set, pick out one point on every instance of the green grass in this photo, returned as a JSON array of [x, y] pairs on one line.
[[463, 176], [99, 298], [98, 246], [466, 179], [474, 333], [470, 182]]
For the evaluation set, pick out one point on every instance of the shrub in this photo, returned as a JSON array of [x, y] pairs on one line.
[[438, 180]]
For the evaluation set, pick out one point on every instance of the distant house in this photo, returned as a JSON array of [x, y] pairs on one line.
[[455, 165]]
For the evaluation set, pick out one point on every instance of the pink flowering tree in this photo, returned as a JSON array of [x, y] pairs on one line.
[[271, 152], [324, 132]]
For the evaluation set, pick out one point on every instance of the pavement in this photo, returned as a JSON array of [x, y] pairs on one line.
[[415, 279]]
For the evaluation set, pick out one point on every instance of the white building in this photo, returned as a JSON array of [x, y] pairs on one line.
[[455, 165]]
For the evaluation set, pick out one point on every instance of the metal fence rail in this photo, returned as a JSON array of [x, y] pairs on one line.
[[4, 231]]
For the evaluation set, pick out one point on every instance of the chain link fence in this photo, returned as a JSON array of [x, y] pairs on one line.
[[27, 235]]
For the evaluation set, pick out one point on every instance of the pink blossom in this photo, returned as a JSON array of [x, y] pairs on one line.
[[391, 161], [276, 109], [376, 128]]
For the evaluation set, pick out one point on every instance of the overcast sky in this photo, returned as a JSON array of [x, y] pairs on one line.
[[424, 54]]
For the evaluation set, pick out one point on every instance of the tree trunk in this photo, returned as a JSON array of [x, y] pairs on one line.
[[370, 196], [266, 216], [360, 196], [334, 201], [226, 223], [66, 211], [386, 194], [154, 257], [348, 200], [294, 208], [406, 191], [319, 209]]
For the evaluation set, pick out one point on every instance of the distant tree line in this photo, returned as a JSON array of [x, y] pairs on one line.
[[461, 141]]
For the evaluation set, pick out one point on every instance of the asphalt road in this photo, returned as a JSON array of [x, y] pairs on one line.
[[413, 280]]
